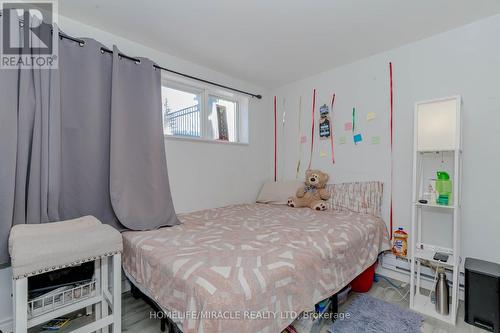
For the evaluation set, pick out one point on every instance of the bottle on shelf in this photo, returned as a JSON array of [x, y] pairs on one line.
[[430, 195], [400, 243], [443, 188]]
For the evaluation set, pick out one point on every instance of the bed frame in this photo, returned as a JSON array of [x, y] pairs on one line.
[[166, 322]]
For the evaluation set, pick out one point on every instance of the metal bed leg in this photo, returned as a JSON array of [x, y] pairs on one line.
[[335, 306], [136, 293], [163, 323]]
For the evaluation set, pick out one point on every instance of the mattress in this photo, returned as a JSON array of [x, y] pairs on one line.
[[252, 267]]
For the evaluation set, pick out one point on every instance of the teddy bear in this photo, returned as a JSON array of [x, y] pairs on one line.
[[314, 193]]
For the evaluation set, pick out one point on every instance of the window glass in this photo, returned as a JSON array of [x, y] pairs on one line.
[[181, 112]]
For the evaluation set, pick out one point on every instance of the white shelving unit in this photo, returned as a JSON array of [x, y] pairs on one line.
[[437, 131]]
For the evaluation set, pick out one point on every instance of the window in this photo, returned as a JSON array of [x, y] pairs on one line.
[[181, 112], [203, 113]]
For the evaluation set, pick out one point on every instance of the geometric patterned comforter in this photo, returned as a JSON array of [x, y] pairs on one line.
[[251, 267]]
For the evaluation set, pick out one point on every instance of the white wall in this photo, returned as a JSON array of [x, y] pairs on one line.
[[202, 175], [464, 61]]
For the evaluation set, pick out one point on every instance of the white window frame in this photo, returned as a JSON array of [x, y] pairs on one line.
[[205, 90]]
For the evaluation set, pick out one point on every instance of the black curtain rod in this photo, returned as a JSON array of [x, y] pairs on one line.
[[104, 49]]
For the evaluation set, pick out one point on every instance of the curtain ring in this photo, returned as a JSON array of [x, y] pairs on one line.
[[82, 43], [137, 62], [102, 50]]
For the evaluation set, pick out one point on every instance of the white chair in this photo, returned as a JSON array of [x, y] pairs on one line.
[[40, 248]]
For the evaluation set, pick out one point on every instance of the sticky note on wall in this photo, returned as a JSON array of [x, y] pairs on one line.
[[371, 116], [348, 126], [303, 139], [358, 138], [375, 140], [342, 140], [322, 154]]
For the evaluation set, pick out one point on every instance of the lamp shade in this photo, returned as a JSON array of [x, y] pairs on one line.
[[437, 125]]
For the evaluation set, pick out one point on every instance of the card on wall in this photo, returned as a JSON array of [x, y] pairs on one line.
[[324, 122]]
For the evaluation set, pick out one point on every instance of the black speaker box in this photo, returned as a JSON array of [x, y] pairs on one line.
[[482, 294]]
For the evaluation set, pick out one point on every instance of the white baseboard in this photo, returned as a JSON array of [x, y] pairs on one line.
[[6, 325], [392, 274]]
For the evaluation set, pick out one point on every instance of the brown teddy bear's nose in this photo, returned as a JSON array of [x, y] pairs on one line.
[[312, 179]]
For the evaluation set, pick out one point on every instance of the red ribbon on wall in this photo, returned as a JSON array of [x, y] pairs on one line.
[[275, 140], [331, 128], [392, 110], [312, 128]]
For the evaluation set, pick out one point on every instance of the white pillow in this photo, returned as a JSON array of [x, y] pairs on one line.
[[277, 193]]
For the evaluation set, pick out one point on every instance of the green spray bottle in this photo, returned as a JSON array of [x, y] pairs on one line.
[[443, 188]]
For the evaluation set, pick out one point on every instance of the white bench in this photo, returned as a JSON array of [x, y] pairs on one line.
[[41, 248]]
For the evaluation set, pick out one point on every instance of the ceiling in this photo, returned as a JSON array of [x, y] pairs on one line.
[[273, 42]]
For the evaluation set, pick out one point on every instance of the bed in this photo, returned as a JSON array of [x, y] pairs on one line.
[[251, 267]]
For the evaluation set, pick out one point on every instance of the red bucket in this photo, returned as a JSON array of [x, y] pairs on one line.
[[363, 282]]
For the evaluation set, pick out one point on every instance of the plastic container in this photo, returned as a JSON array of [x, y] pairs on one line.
[[400, 243], [430, 195], [364, 281], [321, 306]]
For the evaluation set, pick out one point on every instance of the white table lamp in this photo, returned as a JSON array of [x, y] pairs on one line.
[[437, 125]]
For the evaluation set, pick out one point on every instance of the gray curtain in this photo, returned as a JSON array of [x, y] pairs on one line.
[[140, 192], [8, 148], [86, 122], [29, 124], [84, 139]]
